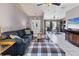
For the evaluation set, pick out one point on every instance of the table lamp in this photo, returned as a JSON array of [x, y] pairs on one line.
[[1, 30]]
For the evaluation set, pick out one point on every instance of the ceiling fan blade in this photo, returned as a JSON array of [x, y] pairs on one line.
[[39, 4], [58, 4]]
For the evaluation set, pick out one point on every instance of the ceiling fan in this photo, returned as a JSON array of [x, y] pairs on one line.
[[57, 4]]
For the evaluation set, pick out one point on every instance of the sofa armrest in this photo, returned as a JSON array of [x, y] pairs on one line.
[[18, 40]]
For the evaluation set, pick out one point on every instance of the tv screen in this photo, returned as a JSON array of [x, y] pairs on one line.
[[73, 23]]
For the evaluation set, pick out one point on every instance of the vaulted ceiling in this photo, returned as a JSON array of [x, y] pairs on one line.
[[33, 10]]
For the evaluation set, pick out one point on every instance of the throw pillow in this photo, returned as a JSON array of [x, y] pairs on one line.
[[27, 31], [14, 36], [4, 37]]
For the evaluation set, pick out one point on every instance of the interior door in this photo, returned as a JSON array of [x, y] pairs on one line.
[[35, 26]]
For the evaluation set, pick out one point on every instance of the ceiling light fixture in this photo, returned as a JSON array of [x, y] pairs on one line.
[[57, 4]]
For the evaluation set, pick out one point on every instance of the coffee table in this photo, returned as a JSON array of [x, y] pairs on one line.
[[40, 37]]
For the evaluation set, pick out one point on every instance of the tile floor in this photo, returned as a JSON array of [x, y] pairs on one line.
[[70, 49]]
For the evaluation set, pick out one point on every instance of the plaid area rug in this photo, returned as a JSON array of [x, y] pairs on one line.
[[44, 48]]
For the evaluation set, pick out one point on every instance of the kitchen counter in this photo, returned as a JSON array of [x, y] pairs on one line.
[[72, 36]]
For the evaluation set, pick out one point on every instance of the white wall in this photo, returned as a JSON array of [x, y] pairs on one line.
[[22, 19], [73, 13], [11, 18]]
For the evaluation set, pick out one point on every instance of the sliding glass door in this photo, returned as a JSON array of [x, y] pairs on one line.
[[53, 26]]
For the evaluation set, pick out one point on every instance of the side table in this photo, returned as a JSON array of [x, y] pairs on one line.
[[4, 45]]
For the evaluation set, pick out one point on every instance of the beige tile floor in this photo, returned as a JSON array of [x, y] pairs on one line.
[[70, 49]]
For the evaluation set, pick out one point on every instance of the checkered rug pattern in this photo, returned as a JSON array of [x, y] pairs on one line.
[[44, 48]]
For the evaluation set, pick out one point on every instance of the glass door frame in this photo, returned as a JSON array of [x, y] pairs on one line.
[[58, 21]]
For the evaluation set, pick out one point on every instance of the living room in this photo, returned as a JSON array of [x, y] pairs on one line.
[[38, 29]]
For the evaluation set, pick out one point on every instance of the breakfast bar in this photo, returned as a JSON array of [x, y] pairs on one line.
[[72, 35]]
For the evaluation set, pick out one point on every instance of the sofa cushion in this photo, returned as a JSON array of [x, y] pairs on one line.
[[13, 33], [7, 34], [21, 33], [14, 36]]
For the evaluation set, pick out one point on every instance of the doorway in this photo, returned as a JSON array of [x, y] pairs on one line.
[[52, 25], [35, 26]]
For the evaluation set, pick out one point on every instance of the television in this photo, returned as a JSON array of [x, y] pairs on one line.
[[73, 23]]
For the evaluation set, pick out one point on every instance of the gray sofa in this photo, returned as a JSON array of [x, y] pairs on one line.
[[21, 44]]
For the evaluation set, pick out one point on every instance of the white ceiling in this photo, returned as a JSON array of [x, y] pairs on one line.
[[68, 6], [33, 10]]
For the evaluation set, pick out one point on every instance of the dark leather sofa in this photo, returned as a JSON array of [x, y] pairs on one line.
[[21, 44]]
